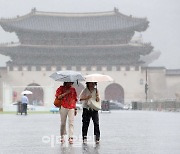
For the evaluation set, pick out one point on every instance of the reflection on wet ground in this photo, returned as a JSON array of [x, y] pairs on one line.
[[137, 132], [84, 149]]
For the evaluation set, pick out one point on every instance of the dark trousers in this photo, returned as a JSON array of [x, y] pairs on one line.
[[86, 116], [24, 108]]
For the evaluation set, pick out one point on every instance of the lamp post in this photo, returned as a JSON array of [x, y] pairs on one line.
[[146, 86]]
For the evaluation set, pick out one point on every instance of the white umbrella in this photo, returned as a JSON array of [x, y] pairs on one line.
[[27, 92], [98, 78], [67, 76]]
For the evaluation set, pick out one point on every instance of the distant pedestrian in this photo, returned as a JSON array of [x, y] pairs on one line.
[[90, 92], [68, 96], [24, 101]]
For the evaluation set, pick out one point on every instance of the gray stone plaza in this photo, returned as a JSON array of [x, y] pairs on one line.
[[125, 132]]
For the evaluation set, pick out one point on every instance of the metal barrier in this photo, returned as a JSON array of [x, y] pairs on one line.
[[19, 107], [105, 106], [157, 106]]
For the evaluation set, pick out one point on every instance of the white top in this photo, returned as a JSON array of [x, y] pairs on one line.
[[85, 92], [24, 100]]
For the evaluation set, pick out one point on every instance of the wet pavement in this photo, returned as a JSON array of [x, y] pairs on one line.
[[122, 132]]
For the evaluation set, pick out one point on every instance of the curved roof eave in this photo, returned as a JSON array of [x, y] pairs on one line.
[[89, 21], [18, 45]]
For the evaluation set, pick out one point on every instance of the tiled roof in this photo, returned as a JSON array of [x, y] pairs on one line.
[[82, 55], [74, 22]]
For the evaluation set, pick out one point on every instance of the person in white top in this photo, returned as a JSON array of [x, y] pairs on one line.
[[90, 92], [24, 101]]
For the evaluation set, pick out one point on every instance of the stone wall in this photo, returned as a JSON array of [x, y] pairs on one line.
[[157, 88], [173, 86], [131, 79]]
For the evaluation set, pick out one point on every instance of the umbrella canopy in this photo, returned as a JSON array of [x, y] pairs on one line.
[[97, 78], [67, 76], [27, 92]]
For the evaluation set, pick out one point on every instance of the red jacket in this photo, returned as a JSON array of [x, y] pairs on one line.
[[69, 100]]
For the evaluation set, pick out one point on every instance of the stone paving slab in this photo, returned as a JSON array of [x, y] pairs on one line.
[[122, 132]]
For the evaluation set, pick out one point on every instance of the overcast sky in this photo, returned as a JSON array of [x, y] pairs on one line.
[[164, 17]]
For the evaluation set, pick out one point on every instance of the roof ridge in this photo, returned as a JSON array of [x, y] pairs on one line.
[[66, 14], [75, 14], [35, 12], [81, 14]]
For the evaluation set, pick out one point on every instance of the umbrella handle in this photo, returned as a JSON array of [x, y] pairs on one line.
[[95, 86]]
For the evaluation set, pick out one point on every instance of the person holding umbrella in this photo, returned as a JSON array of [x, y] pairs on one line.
[[68, 96], [24, 101], [90, 92]]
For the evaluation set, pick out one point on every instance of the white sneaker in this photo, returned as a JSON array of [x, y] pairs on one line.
[[85, 141]]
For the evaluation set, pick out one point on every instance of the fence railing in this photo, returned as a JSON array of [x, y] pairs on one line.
[[157, 106]]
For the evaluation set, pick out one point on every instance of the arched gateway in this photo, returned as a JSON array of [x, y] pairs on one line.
[[37, 98], [114, 92]]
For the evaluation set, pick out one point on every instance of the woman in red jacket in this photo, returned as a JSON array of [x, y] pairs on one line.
[[68, 97]]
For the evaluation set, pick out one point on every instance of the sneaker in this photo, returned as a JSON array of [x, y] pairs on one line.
[[70, 140], [84, 141], [62, 140], [97, 141]]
